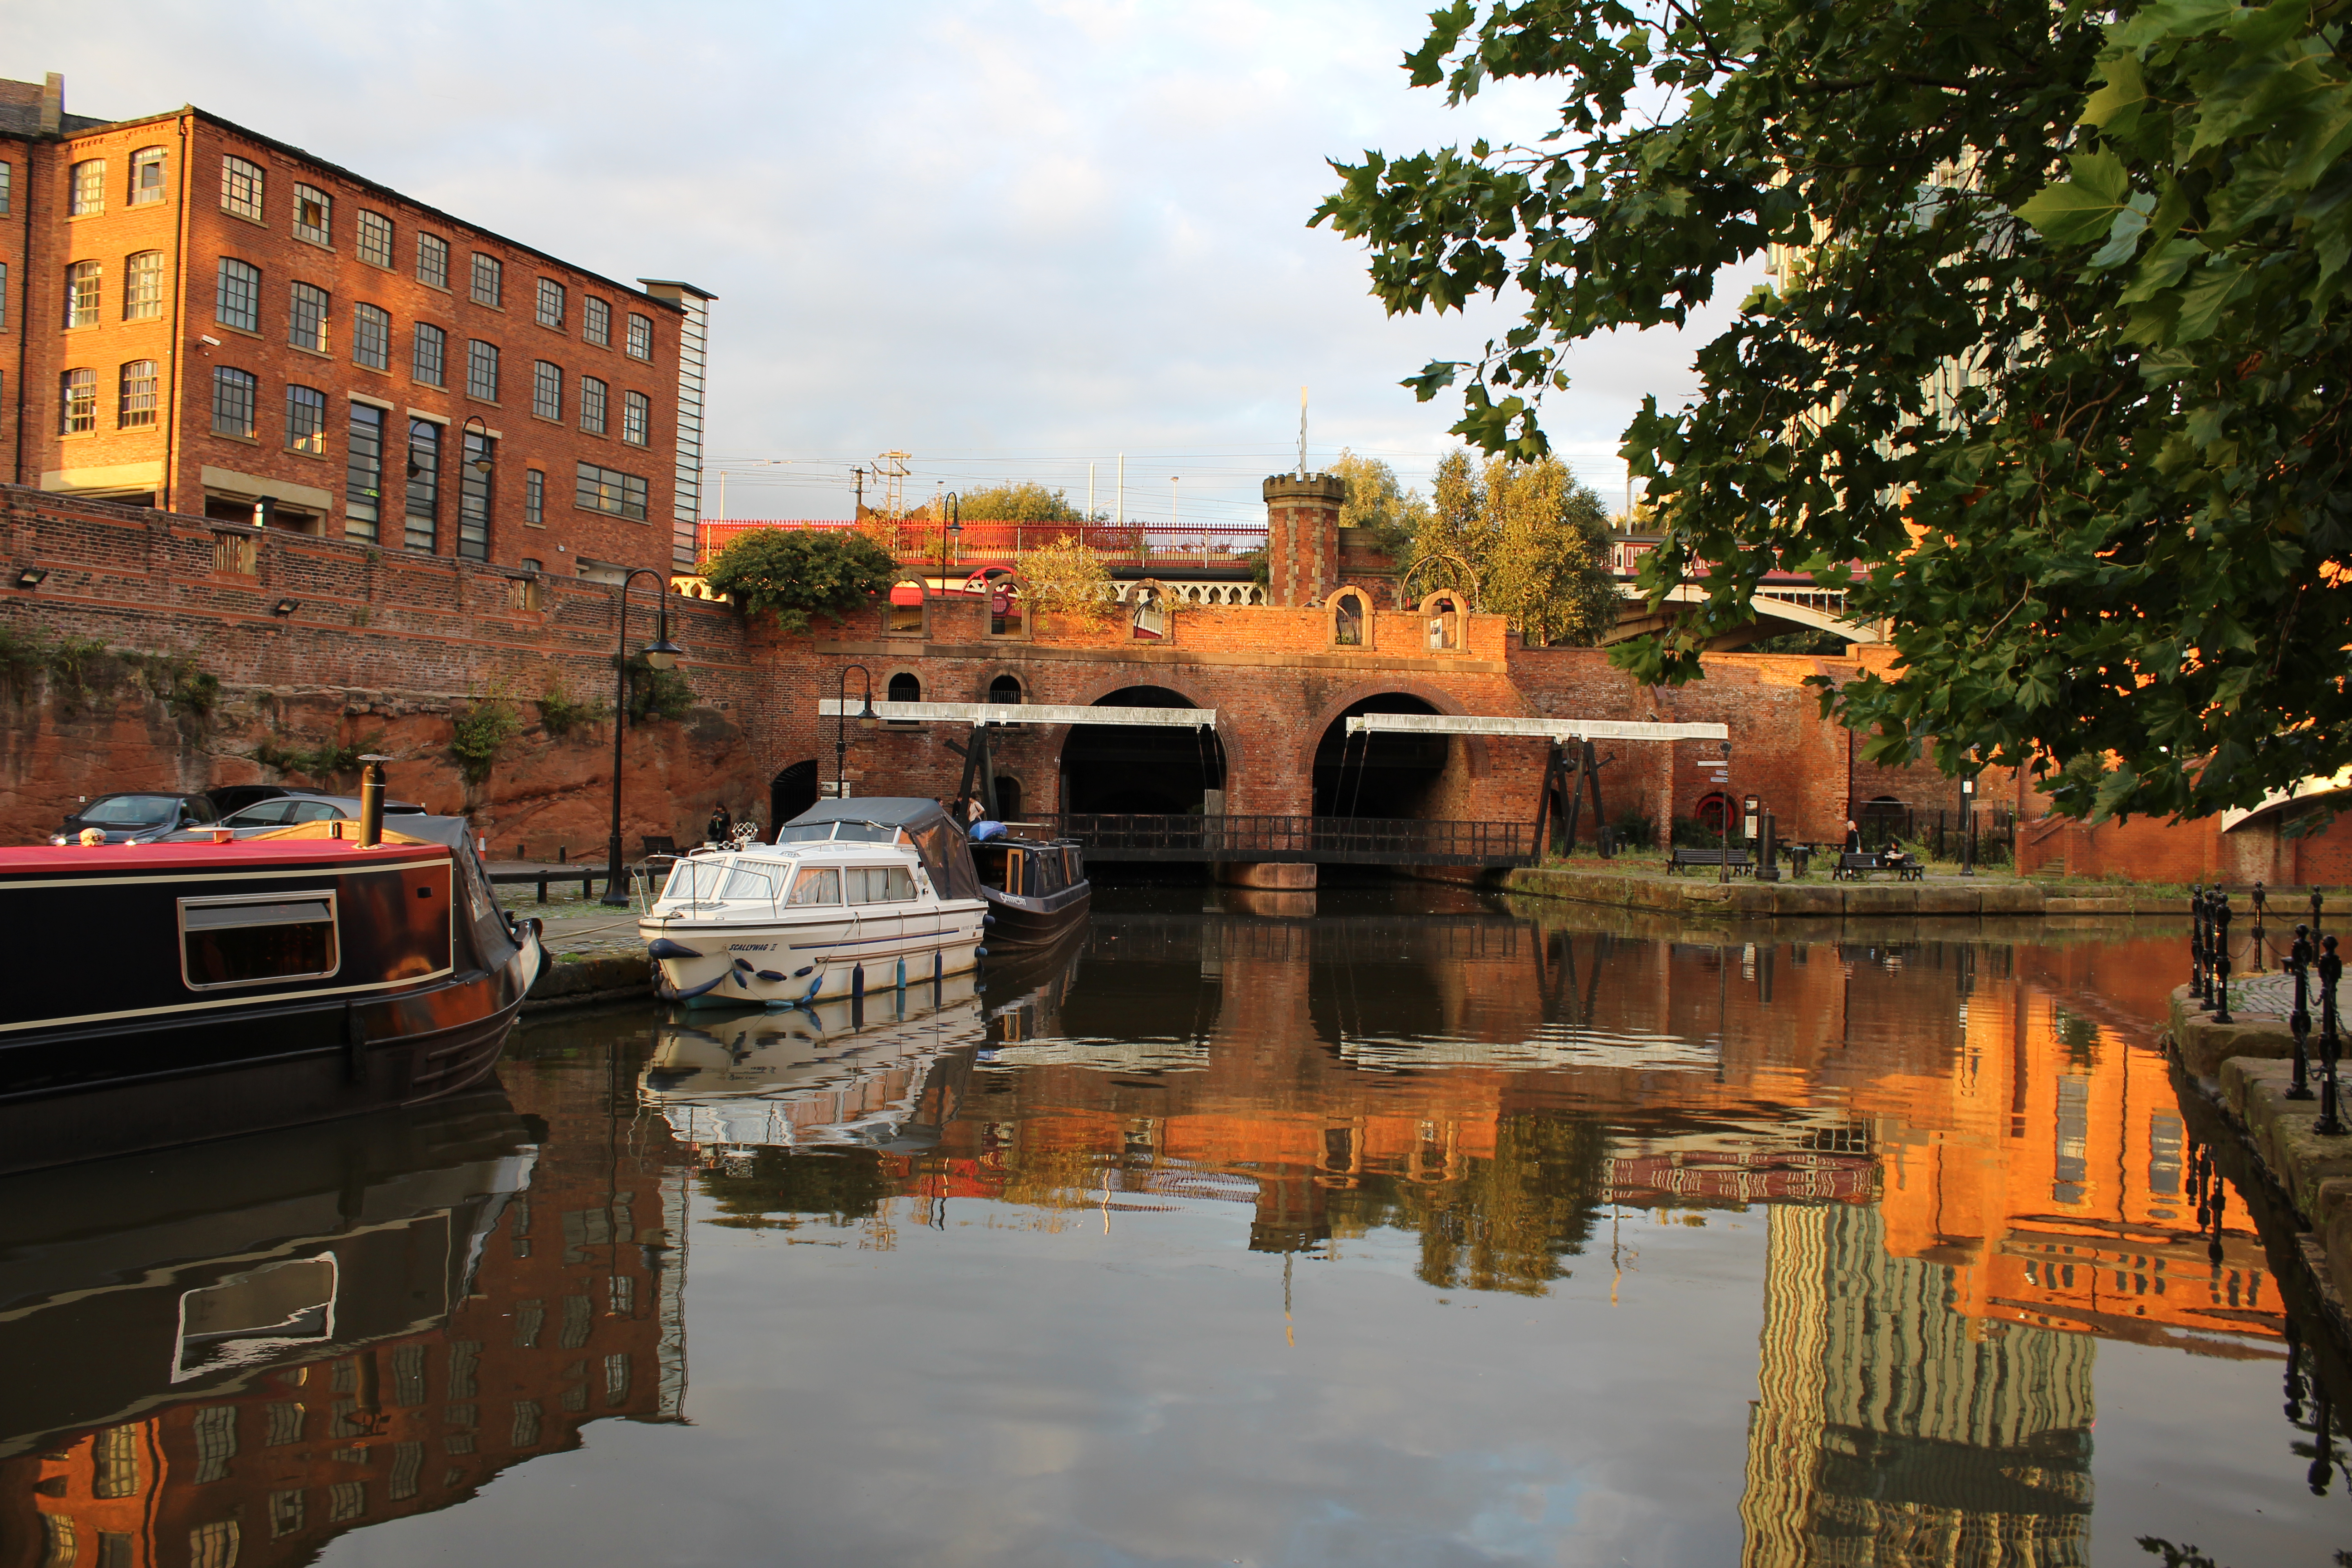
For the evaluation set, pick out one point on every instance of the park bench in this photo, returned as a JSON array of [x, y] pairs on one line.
[[1853, 868], [1679, 860]]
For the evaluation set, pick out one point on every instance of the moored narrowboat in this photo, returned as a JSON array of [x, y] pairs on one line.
[[166, 993], [1036, 889]]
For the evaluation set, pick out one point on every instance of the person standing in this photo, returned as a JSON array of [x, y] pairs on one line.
[[722, 826]]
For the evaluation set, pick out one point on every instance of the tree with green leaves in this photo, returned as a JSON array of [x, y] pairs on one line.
[[1378, 501], [2052, 360], [796, 572], [1027, 501], [1522, 540]]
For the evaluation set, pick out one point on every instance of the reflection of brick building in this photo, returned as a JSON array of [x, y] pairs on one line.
[[574, 1315]]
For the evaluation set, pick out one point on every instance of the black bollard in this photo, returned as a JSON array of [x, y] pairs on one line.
[[2316, 901], [2298, 963], [2258, 925], [2220, 1203], [2221, 958], [2196, 941], [2331, 969]]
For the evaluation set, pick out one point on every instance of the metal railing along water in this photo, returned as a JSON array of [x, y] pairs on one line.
[[1328, 840]]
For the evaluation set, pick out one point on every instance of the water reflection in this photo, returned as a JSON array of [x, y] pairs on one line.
[[233, 1353], [1749, 1243]]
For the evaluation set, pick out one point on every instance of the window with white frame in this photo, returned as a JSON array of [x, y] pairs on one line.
[[547, 390], [77, 401], [596, 321], [241, 188], [142, 286], [236, 302], [146, 176], [482, 370], [636, 418], [306, 420], [83, 282], [87, 188], [612, 491], [431, 360], [372, 337], [593, 395], [640, 337], [314, 214], [433, 260], [551, 302], [375, 231], [489, 281], [135, 406], [233, 395], [306, 320]]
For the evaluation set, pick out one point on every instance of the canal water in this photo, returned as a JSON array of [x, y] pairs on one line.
[[1396, 1225]]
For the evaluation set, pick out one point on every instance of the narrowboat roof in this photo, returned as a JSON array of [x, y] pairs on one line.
[[54, 859]]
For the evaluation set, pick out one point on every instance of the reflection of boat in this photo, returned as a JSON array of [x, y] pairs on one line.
[[848, 1072], [130, 1284], [1037, 890], [164, 992], [855, 896]]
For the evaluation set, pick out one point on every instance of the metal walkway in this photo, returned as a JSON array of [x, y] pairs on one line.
[[1311, 840]]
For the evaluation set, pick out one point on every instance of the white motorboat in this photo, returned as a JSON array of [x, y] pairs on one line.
[[854, 897]]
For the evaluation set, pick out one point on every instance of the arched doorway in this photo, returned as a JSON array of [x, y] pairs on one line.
[[1120, 769], [1378, 775], [790, 792]]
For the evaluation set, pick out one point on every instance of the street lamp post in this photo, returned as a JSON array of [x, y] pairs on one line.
[[1969, 825], [660, 653], [951, 510], [865, 721]]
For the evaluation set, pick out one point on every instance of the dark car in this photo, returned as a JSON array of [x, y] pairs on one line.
[[292, 806], [136, 816]]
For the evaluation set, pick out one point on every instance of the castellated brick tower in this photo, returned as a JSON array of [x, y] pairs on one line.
[[1302, 537]]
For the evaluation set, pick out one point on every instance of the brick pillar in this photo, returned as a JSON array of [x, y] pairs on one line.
[[1302, 538]]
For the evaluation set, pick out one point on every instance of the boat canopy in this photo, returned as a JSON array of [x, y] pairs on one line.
[[934, 834], [493, 942]]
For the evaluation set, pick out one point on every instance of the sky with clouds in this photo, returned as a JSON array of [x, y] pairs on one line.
[[1012, 239]]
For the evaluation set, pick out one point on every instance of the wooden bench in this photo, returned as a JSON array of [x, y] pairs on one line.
[[1852, 868], [1679, 859]]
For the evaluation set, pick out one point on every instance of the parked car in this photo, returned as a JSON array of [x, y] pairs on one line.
[[136, 816], [295, 805]]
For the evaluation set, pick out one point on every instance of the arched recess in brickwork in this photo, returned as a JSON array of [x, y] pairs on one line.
[[1377, 776], [790, 792], [1122, 770]]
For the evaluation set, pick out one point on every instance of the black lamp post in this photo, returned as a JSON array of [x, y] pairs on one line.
[[951, 508], [865, 721], [1723, 871], [1969, 825], [660, 653]]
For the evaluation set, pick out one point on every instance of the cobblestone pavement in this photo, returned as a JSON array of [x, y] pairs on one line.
[[576, 926]]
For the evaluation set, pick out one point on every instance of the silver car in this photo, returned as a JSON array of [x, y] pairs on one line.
[[285, 809]]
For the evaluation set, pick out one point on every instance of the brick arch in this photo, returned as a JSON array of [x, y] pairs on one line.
[[1474, 751], [1228, 738]]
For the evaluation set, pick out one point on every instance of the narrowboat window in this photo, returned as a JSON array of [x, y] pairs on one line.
[[878, 884], [255, 938], [744, 882], [815, 887]]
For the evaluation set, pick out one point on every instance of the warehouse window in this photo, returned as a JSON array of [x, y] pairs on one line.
[[363, 473], [372, 337], [609, 490], [547, 390], [482, 370], [233, 401], [142, 286], [238, 302], [241, 188], [432, 352], [83, 279], [489, 280], [592, 397], [374, 239], [306, 320], [306, 420], [146, 176], [636, 418], [314, 214], [433, 260], [136, 407], [640, 337], [77, 402], [551, 302], [88, 188], [596, 322]]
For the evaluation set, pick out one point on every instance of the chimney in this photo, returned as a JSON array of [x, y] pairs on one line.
[[53, 104]]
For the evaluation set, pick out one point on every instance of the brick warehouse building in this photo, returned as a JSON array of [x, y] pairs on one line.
[[215, 323]]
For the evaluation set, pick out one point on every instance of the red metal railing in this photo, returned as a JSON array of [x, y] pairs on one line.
[[920, 540]]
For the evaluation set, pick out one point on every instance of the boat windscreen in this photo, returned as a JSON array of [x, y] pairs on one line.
[[841, 832], [694, 881]]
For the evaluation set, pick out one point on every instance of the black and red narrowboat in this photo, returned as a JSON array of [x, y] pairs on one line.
[[163, 994], [1037, 890]]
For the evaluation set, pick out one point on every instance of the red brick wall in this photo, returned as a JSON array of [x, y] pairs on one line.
[[378, 645]]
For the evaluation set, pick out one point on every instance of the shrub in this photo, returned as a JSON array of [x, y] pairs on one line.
[[327, 761], [1066, 577], [657, 693], [560, 712], [479, 733], [796, 572]]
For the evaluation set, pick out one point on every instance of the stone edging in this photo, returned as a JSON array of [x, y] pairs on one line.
[[1817, 900], [585, 982]]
